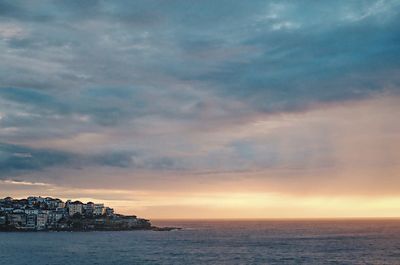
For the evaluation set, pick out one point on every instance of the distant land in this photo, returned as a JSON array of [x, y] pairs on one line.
[[52, 214]]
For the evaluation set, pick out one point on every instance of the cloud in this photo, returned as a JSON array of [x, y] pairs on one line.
[[200, 94], [24, 183], [17, 160], [10, 31]]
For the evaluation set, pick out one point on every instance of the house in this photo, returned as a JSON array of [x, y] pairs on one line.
[[17, 219], [99, 209], [54, 203], [31, 221], [31, 211], [35, 200], [109, 211], [41, 221], [75, 207], [88, 208], [54, 216]]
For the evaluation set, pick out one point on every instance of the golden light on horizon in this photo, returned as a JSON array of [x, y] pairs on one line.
[[254, 205], [322, 166]]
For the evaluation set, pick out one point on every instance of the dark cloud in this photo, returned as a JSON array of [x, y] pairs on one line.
[[121, 159], [160, 76], [16, 159], [275, 55]]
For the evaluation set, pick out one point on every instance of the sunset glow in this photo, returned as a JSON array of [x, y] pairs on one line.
[[204, 110]]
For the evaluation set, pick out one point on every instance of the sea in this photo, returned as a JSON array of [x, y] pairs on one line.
[[214, 242]]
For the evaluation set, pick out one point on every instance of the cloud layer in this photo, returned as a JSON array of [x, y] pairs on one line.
[[267, 96]]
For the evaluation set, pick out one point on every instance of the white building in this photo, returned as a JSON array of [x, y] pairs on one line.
[[74, 208], [98, 209], [88, 208], [41, 221], [54, 203], [32, 211], [31, 221], [55, 216]]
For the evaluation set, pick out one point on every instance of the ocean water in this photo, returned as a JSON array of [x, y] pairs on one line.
[[214, 242]]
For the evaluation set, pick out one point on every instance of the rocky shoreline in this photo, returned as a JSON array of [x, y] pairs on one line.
[[152, 228]]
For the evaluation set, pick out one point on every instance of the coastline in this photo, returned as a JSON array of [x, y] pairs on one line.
[[153, 228], [39, 214]]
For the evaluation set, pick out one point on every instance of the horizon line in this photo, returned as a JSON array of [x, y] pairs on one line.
[[280, 219]]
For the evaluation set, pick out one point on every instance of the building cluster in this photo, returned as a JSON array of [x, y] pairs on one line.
[[38, 213]]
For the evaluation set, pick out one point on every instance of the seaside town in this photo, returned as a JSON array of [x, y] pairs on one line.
[[52, 214]]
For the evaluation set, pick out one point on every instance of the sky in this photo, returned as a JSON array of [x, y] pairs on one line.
[[203, 109]]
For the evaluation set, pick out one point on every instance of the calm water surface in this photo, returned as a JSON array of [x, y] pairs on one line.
[[214, 242]]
